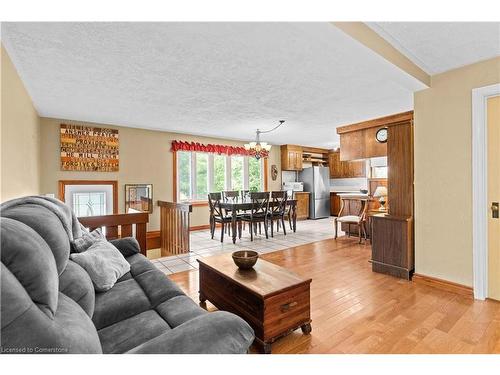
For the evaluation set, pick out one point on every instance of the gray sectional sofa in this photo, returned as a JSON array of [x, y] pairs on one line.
[[49, 305]]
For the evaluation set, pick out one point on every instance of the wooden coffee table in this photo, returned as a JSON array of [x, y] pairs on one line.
[[273, 300]]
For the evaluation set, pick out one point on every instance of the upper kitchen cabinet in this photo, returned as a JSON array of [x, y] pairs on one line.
[[368, 139], [291, 158], [345, 169]]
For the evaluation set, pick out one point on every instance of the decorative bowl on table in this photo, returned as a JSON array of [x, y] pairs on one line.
[[245, 259], [363, 191]]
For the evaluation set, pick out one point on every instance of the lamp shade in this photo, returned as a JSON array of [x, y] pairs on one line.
[[380, 191]]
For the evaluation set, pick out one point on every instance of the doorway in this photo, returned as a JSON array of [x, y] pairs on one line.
[[486, 191], [493, 129]]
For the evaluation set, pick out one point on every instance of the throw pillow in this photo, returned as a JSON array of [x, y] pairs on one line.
[[86, 240], [104, 263]]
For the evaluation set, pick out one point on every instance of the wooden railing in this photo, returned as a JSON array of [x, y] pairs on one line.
[[174, 227], [119, 226]]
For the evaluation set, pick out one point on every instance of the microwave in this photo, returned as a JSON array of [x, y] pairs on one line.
[[295, 186]]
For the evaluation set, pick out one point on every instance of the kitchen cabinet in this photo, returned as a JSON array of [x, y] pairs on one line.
[[302, 204], [291, 158], [345, 169], [334, 204]]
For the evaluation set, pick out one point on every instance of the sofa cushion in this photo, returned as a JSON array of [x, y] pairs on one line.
[[75, 282], [104, 264], [79, 245], [210, 333], [139, 264], [129, 333], [124, 300], [47, 225], [127, 245], [157, 286], [29, 259], [179, 310]]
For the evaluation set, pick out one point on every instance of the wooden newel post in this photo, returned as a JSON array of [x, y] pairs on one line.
[[174, 227]]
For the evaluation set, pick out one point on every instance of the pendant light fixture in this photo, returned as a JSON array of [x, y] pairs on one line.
[[260, 149]]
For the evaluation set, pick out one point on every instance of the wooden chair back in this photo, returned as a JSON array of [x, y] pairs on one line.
[[260, 203], [363, 210], [278, 198], [214, 204], [232, 195], [245, 194]]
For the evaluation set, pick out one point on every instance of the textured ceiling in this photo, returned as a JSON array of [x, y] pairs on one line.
[[215, 79], [440, 46]]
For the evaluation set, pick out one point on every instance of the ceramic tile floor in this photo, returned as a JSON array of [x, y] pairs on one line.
[[202, 246]]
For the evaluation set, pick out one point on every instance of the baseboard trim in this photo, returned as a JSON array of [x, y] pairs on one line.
[[444, 284], [201, 227]]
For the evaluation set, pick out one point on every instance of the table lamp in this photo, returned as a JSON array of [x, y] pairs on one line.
[[381, 193]]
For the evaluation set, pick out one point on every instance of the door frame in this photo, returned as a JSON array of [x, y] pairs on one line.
[[480, 188]]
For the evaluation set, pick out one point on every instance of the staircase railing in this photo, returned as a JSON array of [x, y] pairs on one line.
[[174, 227], [119, 226]]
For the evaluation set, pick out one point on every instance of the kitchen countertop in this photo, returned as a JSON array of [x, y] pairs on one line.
[[353, 194], [354, 191]]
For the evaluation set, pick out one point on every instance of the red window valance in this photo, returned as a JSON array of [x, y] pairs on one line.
[[215, 149]]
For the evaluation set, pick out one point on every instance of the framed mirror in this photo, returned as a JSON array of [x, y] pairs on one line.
[[138, 198]]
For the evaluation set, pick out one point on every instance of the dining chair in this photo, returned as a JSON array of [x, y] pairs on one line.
[[359, 220], [277, 210], [245, 195], [230, 196], [290, 194], [258, 212], [217, 215]]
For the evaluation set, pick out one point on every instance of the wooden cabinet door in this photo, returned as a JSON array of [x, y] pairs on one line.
[[291, 160], [345, 171], [299, 160], [357, 168], [334, 204], [302, 205], [335, 165]]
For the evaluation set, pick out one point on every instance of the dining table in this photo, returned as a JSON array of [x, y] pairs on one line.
[[233, 206]]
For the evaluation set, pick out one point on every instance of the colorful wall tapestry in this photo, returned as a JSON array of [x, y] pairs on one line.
[[90, 149]]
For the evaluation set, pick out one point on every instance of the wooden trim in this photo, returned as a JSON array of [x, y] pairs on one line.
[[480, 189], [443, 284], [315, 150], [199, 227], [113, 183], [153, 240], [381, 121], [266, 177], [199, 204], [174, 171]]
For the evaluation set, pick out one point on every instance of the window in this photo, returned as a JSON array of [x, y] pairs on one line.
[[254, 175], [89, 203], [184, 175], [236, 172], [201, 167], [219, 173], [199, 173]]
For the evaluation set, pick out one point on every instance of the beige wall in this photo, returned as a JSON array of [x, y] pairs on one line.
[[443, 171], [145, 157], [20, 136]]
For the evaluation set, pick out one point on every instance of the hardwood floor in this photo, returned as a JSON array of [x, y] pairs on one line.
[[355, 310]]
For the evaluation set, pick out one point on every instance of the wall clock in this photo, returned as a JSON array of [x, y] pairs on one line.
[[381, 135]]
